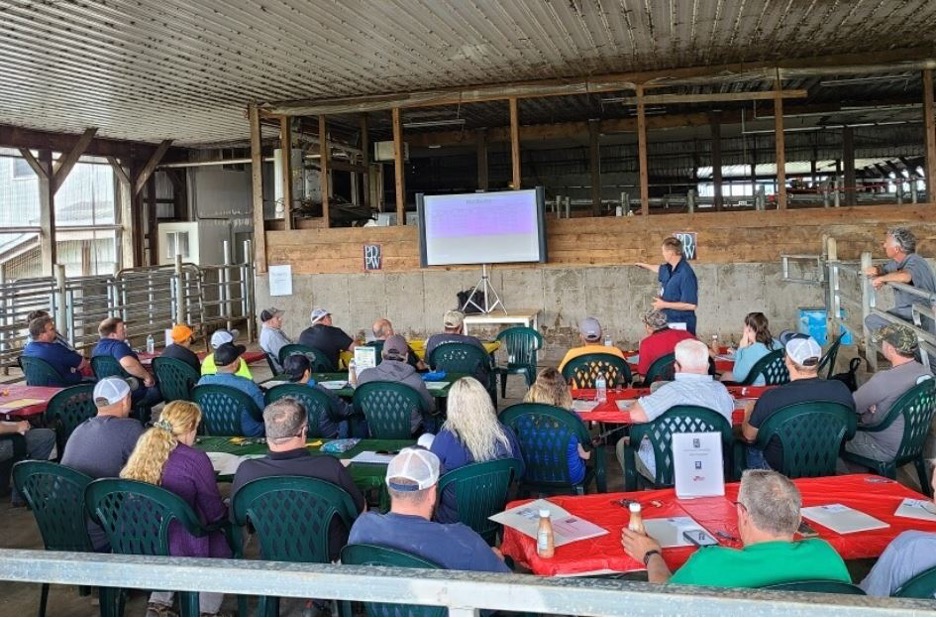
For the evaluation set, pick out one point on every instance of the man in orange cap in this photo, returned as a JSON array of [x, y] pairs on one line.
[[181, 347]]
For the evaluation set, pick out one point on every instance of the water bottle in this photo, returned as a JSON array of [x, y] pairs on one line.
[[150, 344], [352, 373], [601, 385]]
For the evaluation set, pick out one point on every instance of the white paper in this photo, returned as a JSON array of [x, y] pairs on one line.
[[724, 357], [372, 457], [916, 509], [334, 385], [567, 528], [365, 357], [697, 465], [633, 360], [625, 404], [226, 464], [280, 280], [167, 335], [677, 325], [273, 383], [436, 386], [842, 519], [668, 532], [580, 405]]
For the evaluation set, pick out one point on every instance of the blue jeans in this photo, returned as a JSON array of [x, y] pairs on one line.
[[755, 459]]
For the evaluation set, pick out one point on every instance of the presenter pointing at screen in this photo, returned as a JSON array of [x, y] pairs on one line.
[[679, 289]]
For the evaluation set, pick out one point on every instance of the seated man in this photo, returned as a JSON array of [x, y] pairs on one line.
[[768, 509], [905, 266], [692, 386], [113, 334], [413, 484], [335, 423], [272, 337], [453, 323], [660, 340], [286, 427], [59, 338], [329, 340], [181, 347], [383, 330], [228, 359], [876, 396], [394, 368], [802, 361], [218, 339], [68, 363], [19, 440], [590, 333], [101, 445]]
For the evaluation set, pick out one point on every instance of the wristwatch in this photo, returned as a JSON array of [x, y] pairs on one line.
[[646, 557]]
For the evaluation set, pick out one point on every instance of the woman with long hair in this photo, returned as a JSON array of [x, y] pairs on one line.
[[164, 456], [756, 343], [470, 434], [552, 389]]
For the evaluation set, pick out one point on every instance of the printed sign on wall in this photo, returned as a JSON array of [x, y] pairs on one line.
[[690, 249], [373, 258]]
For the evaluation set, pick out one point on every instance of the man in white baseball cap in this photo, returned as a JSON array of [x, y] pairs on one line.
[[413, 484], [329, 340], [218, 339]]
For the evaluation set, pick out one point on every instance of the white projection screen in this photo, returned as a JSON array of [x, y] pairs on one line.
[[482, 228]]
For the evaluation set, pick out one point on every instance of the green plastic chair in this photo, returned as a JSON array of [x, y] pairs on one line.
[[660, 431], [466, 358], [320, 363], [316, 403], [772, 366], [920, 586], [291, 517], [544, 432], [40, 373], [106, 366], [917, 407], [136, 517], [176, 378], [811, 435], [522, 344], [221, 408], [663, 368], [56, 496], [378, 345], [582, 371], [373, 555], [829, 586], [387, 408], [480, 490], [827, 361], [67, 409]]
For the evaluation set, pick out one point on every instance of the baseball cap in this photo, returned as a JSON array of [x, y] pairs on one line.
[[227, 353], [801, 348], [655, 319], [395, 347], [318, 314], [222, 336], [901, 337], [453, 319], [590, 329], [181, 333], [268, 314], [414, 469], [109, 391], [295, 365]]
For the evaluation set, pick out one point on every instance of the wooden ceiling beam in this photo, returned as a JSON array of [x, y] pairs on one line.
[[150, 166], [19, 137], [69, 159], [715, 97]]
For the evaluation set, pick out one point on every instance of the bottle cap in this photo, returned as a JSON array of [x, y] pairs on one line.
[[634, 507], [544, 512]]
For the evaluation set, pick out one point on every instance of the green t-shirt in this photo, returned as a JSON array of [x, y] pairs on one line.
[[762, 564], [208, 368]]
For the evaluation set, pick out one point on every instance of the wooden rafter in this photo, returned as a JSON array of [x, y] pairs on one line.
[[150, 166]]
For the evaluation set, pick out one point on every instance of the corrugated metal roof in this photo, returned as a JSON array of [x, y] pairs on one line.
[[185, 69]]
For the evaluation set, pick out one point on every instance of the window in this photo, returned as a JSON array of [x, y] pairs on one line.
[[177, 242], [22, 170]]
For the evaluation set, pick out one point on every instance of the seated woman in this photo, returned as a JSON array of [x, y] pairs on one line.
[[470, 434], [552, 389], [756, 343], [164, 456]]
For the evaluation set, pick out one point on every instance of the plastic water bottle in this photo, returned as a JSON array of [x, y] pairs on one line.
[[150, 344], [601, 385], [352, 373]]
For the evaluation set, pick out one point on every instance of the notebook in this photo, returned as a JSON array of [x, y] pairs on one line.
[[842, 519]]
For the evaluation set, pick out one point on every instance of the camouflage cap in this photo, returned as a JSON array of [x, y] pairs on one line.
[[901, 337]]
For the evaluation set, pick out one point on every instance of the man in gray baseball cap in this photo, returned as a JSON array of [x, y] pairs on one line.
[[394, 368], [591, 334]]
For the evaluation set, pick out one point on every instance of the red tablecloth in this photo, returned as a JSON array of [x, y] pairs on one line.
[[608, 412], [13, 392], [721, 364], [874, 495]]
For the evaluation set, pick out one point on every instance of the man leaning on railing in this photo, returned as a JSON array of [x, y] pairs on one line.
[[905, 266]]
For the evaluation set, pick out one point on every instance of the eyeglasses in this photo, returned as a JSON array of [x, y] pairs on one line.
[[741, 506]]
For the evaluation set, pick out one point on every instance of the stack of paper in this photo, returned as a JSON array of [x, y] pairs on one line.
[[334, 385], [436, 386], [917, 509], [625, 404], [842, 519], [580, 405], [668, 532], [226, 464], [567, 528], [372, 457]]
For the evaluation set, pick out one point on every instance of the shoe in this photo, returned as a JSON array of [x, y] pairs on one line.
[[154, 610]]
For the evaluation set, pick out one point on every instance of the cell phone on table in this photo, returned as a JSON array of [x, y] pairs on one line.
[[699, 538], [806, 531]]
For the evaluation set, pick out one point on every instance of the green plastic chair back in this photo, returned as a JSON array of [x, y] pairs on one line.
[[830, 586], [479, 491], [67, 409], [521, 344], [660, 431], [388, 408], [221, 408], [920, 586], [373, 555], [772, 367], [917, 407], [40, 373], [663, 368], [291, 517], [582, 371], [56, 496], [465, 358], [378, 345], [176, 378], [543, 432], [320, 363], [106, 366], [811, 435], [827, 361], [316, 403]]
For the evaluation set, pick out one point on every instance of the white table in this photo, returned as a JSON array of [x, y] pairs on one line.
[[524, 317]]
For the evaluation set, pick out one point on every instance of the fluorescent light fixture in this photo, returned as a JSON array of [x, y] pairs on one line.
[[447, 122]]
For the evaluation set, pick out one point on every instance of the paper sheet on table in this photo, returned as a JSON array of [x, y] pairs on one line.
[[436, 386], [372, 457], [625, 404], [226, 464], [567, 528], [842, 519], [273, 383], [334, 385], [916, 509], [634, 360], [724, 357], [583, 406], [668, 532], [16, 404]]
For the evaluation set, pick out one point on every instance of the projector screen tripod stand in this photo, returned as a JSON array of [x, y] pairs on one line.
[[487, 290]]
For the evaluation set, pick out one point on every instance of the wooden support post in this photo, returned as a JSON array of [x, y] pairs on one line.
[[642, 152], [754, 166], [482, 160], [67, 161], [365, 160], [717, 178], [780, 144], [44, 170], [515, 144], [399, 172], [929, 123], [179, 193], [594, 164], [287, 165], [256, 175], [152, 221], [124, 213], [848, 158], [136, 209]]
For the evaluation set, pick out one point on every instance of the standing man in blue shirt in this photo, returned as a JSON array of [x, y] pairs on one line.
[[679, 288]]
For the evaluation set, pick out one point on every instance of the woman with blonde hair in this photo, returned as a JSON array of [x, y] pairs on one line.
[[470, 434], [164, 456], [552, 389]]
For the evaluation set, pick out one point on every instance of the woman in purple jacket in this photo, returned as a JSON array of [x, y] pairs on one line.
[[164, 456]]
